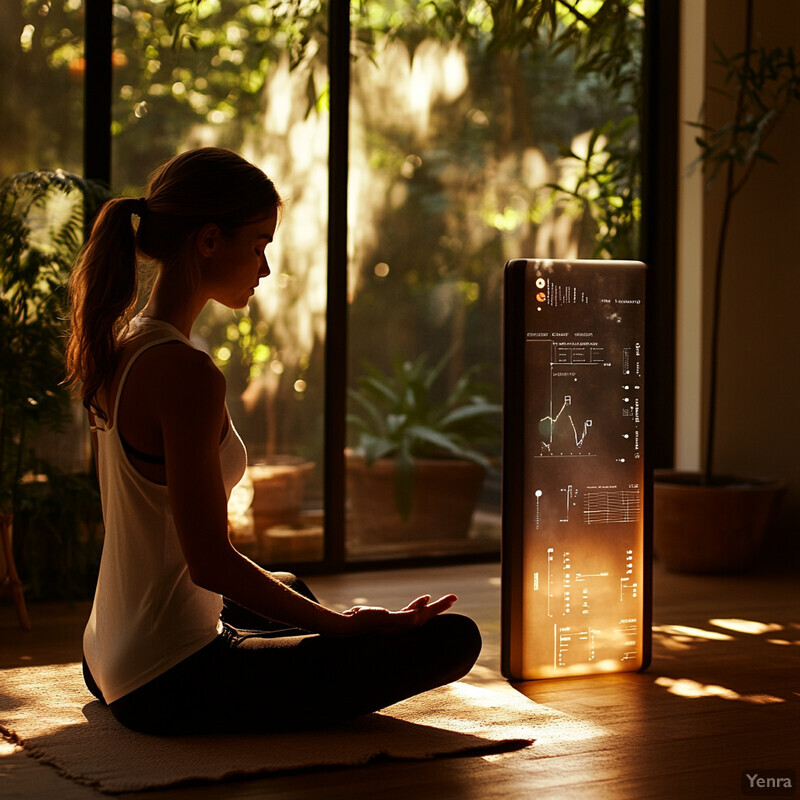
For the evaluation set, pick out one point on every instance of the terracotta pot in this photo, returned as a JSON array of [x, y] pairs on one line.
[[282, 544], [711, 529], [444, 498]]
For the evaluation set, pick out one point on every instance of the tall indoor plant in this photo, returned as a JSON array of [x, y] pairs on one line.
[[42, 216], [708, 522]]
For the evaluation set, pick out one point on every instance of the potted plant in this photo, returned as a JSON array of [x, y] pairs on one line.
[[419, 464], [41, 229], [707, 522]]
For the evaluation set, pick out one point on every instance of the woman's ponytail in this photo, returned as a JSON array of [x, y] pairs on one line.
[[103, 291]]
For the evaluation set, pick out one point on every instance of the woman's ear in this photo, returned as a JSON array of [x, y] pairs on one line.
[[208, 239]]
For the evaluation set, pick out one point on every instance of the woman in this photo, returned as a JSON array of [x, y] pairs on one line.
[[162, 648]]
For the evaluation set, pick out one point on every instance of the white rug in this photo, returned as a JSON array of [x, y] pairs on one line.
[[48, 711]]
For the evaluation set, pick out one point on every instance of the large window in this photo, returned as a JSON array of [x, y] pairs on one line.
[[456, 136]]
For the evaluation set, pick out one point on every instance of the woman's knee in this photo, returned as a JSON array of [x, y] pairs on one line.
[[470, 635], [459, 638]]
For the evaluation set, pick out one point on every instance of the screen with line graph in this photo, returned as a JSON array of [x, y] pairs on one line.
[[573, 468]]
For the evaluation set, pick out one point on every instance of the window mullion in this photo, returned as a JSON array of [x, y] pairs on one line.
[[97, 92], [336, 313]]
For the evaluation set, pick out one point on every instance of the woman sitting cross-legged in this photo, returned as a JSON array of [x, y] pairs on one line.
[[187, 635]]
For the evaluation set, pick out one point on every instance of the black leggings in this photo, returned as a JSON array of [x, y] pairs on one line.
[[257, 676]]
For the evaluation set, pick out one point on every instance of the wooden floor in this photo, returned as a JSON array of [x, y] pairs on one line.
[[722, 696]]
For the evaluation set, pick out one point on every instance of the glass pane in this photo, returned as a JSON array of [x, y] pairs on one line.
[[226, 78], [41, 128], [41, 85], [460, 127]]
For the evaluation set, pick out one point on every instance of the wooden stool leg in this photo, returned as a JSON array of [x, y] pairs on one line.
[[11, 583]]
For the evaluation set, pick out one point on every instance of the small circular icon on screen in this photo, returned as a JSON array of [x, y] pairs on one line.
[[541, 297], [540, 283]]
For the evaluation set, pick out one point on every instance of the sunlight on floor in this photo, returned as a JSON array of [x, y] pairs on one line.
[[682, 637], [685, 633], [685, 687], [746, 625], [7, 748], [758, 628], [550, 727]]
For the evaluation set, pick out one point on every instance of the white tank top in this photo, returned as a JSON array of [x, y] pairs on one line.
[[147, 614]]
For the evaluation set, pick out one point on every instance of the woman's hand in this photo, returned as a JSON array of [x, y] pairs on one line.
[[373, 619]]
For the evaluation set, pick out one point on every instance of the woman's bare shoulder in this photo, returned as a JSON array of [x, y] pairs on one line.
[[175, 371], [178, 355]]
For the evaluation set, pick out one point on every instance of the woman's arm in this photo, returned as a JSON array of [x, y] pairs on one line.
[[190, 403]]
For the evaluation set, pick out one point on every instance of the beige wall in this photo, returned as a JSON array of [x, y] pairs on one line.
[[689, 250], [759, 388]]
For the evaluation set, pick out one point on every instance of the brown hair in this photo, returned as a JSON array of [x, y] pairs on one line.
[[209, 184]]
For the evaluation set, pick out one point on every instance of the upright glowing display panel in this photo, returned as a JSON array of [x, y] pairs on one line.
[[575, 551]]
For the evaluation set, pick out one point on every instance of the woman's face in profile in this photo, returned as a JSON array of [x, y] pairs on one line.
[[235, 264]]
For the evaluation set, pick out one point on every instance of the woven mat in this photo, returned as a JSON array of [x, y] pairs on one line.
[[48, 711]]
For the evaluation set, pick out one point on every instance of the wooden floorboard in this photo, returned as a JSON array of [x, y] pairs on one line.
[[716, 700]]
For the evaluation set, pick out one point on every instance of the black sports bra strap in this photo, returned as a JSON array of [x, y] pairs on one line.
[[148, 458]]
